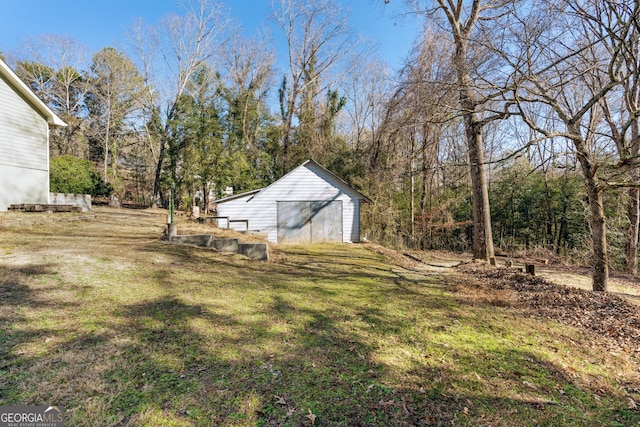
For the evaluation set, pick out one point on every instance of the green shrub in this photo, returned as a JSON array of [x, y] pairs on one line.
[[69, 174]]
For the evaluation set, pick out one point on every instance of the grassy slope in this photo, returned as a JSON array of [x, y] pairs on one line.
[[101, 317]]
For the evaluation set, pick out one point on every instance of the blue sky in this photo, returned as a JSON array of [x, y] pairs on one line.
[[100, 23]]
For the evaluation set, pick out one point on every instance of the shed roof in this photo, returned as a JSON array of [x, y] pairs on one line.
[[36, 103], [313, 162], [238, 196], [306, 163]]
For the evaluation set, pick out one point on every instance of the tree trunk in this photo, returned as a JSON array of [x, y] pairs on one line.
[[633, 210], [157, 195], [286, 142], [412, 196], [425, 181], [156, 182], [106, 146], [632, 232], [562, 228], [287, 117], [482, 234], [598, 220], [599, 236], [548, 238]]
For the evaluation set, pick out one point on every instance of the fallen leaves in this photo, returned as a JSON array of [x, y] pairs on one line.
[[311, 417], [609, 316], [281, 401], [384, 403]]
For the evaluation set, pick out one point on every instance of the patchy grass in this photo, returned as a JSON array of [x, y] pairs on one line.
[[100, 316]]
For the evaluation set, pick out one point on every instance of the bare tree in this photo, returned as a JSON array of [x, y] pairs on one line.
[[145, 47], [317, 38], [366, 87], [567, 67], [474, 27], [248, 65], [399, 137], [184, 43], [429, 76], [112, 101], [621, 110], [54, 72]]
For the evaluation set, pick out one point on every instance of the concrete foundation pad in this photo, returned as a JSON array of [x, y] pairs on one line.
[[34, 207], [203, 240], [225, 245], [258, 251]]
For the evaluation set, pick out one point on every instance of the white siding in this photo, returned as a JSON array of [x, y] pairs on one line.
[[236, 209], [24, 151], [261, 213], [308, 183], [20, 185]]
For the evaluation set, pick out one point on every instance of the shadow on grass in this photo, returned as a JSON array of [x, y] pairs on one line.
[[13, 287], [284, 357], [193, 360], [509, 387], [21, 296], [322, 338]]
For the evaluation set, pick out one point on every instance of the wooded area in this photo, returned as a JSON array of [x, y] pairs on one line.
[[512, 122]]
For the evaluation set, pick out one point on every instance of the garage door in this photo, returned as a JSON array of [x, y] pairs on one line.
[[309, 222]]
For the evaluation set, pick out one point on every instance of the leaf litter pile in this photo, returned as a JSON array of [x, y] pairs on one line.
[[611, 317]]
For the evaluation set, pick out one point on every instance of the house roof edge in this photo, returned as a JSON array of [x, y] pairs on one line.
[[24, 90]]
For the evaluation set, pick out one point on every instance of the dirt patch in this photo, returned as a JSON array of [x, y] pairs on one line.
[[557, 273], [623, 285], [580, 277], [433, 261]]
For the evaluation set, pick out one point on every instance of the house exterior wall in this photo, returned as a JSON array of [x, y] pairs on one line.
[[307, 183], [24, 151]]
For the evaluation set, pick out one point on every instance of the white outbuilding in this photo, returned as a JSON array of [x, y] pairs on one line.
[[308, 205], [24, 142]]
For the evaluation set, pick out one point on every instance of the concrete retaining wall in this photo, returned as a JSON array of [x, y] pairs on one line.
[[82, 200], [225, 245], [203, 240], [257, 251]]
